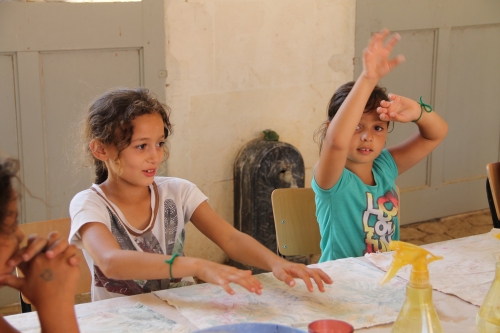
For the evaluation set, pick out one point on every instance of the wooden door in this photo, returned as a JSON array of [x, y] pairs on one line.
[[452, 50], [54, 59]]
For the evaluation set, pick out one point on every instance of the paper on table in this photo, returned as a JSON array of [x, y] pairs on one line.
[[467, 270], [355, 297], [130, 319]]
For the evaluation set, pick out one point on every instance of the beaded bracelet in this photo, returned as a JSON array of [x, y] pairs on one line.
[[423, 107], [171, 263]]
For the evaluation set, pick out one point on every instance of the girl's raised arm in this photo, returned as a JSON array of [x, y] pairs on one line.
[[376, 64], [432, 130]]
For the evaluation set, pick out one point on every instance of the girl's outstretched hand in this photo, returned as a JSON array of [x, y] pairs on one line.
[[399, 109], [376, 62], [286, 271], [222, 275]]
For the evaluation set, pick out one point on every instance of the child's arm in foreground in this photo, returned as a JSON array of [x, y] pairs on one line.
[[120, 264], [432, 130], [50, 285], [376, 64], [243, 248]]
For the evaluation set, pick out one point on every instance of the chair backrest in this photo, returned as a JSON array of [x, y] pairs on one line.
[[297, 230], [43, 228], [493, 191]]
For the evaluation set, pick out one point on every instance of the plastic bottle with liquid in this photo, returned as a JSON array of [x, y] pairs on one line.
[[488, 317], [418, 314]]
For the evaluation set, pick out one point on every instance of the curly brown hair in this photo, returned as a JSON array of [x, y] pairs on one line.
[[378, 94], [8, 170], [109, 120]]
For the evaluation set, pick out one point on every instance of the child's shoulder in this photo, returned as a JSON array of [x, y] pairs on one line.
[[173, 183]]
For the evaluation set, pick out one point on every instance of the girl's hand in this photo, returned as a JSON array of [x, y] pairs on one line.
[[376, 62], [286, 271], [53, 245], [47, 282], [399, 109], [222, 275]]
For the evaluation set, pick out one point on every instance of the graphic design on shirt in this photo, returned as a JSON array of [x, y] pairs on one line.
[[171, 222], [148, 243], [378, 221]]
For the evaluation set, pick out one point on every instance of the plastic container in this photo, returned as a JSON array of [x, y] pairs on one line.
[[418, 314], [488, 317], [251, 328], [330, 326]]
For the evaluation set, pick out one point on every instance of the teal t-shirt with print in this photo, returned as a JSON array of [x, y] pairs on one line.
[[355, 218]]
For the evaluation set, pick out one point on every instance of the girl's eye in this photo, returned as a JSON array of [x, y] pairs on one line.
[[141, 146], [379, 128], [358, 127], [161, 143]]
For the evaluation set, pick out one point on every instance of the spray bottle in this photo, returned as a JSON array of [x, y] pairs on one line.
[[418, 314], [488, 317]]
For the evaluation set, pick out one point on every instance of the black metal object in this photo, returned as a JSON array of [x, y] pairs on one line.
[[491, 203], [260, 168], [25, 307]]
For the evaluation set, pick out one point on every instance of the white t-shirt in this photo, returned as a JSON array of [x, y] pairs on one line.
[[178, 199]]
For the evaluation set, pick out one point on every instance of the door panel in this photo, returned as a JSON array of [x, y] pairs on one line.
[[473, 102], [96, 70], [55, 58], [452, 49], [8, 110]]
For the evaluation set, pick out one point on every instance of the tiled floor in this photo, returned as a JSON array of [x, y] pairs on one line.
[[437, 230], [446, 228]]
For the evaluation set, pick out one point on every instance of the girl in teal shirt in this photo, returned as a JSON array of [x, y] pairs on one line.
[[354, 180]]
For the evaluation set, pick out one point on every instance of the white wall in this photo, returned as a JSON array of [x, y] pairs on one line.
[[238, 67]]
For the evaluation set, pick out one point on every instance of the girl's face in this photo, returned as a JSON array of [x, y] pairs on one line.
[[368, 139], [10, 236], [139, 162]]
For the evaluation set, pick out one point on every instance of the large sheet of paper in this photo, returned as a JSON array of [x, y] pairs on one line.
[[355, 297], [467, 270], [128, 319]]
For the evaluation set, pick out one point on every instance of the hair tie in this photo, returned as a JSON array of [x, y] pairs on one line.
[[423, 107], [171, 263]]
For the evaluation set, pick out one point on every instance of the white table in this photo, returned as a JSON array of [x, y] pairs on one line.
[[455, 314]]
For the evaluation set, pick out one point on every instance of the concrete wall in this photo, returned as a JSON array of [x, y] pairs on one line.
[[238, 67]]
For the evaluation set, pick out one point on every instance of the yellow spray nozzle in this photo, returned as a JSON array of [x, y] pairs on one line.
[[406, 253], [497, 236]]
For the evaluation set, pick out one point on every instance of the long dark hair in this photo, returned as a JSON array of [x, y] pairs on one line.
[[8, 170], [378, 94], [109, 120]]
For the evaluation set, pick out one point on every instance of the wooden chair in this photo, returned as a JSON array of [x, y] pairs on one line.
[[493, 191], [43, 229], [297, 230]]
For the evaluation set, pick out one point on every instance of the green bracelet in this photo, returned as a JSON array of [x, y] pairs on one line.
[[423, 107], [171, 263]]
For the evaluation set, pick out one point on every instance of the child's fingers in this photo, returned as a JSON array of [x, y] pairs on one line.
[[302, 274], [74, 261], [227, 288], [393, 40], [11, 281], [35, 246], [246, 280], [282, 275], [396, 61], [56, 247]]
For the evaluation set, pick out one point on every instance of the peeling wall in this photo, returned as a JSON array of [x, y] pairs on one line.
[[238, 67]]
